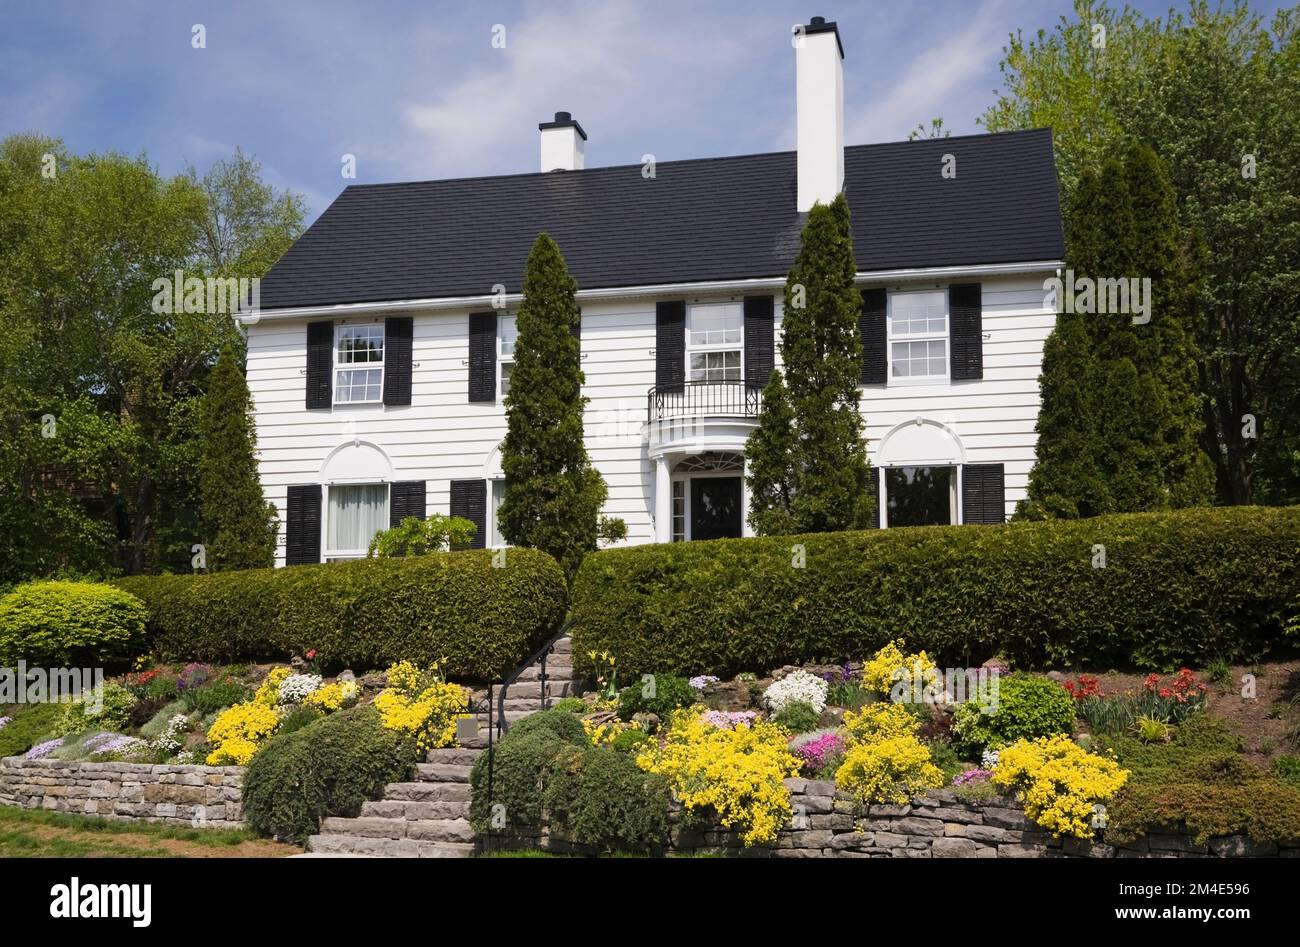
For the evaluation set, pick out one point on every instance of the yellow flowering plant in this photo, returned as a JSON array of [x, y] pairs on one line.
[[890, 769], [422, 705], [240, 731], [879, 721], [605, 734], [739, 772], [892, 664], [332, 697], [1060, 784]]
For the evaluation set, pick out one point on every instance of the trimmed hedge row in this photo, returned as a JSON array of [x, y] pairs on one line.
[[1177, 587], [366, 614]]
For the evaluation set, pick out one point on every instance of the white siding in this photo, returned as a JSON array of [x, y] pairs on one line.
[[442, 437]]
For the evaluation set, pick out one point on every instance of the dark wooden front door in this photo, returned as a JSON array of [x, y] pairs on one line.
[[715, 507]]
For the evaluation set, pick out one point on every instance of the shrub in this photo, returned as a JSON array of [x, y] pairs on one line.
[[799, 686], [239, 732], [70, 624], [880, 721], [1179, 586], [363, 614], [1027, 706], [1059, 784], [892, 770], [572, 705], [111, 712], [603, 799], [560, 723], [28, 724], [522, 769], [215, 696], [661, 695], [891, 665], [630, 741], [737, 773], [797, 717], [417, 537], [327, 768], [1287, 769], [298, 718]]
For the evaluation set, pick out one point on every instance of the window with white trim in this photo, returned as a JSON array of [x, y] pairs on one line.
[[918, 336], [495, 538], [507, 335], [715, 341], [354, 512], [359, 364]]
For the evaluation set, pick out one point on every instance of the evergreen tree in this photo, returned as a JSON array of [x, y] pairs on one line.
[[828, 479], [769, 453], [239, 524], [553, 495]]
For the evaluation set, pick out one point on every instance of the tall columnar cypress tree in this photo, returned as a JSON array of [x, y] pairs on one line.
[[553, 495], [828, 479], [769, 455], [239, 525], [1120, 420]]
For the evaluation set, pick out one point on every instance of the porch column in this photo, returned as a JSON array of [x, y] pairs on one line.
[[745, 528], [663, 500]]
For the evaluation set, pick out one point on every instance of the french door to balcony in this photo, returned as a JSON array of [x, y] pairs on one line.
[[715, 507]]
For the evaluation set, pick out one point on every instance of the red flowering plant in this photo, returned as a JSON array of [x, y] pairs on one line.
[[1173, 700], [1088, 685]]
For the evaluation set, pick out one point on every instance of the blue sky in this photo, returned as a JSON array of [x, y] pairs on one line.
[[417, 90]]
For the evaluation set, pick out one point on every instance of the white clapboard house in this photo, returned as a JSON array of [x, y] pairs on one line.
[[383, 348]]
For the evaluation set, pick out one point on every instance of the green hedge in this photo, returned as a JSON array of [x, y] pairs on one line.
[[366, 614], [1178, 587], [69, 624]]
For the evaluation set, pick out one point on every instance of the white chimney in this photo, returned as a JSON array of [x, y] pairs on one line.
[[563, 144], [819, 112]]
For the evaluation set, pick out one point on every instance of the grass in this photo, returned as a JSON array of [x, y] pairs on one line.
[[37, 833]]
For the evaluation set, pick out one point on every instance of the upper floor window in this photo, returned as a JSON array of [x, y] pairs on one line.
[[507, 335], [714, 342], [359, 364], [918, 336]]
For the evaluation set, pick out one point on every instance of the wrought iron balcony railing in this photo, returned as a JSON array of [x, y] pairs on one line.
[[705, 398]]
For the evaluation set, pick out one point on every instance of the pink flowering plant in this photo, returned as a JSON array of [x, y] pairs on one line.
[[820, 754]]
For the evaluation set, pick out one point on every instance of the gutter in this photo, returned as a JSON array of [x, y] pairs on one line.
[[658, 291]]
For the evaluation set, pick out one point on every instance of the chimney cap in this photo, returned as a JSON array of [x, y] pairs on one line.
[[818, 24], [563, 120]]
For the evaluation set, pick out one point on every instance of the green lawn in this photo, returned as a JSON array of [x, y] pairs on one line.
[[35, 833]]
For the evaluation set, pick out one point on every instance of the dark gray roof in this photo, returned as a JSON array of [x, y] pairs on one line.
[[705, 219]]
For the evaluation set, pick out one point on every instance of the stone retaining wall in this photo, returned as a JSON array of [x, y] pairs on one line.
[[203, 796], [827, 824]]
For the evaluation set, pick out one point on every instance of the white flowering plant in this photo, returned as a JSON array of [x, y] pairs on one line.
[[296, 687], [797, 686]]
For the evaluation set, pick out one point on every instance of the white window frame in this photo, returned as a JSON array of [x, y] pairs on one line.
[[954, 492], [945, 336], [496, 493], [503, 358], [341, 330], [339, 555], [706, 347]]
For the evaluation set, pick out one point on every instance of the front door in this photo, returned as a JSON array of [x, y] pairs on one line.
[[715, 507]]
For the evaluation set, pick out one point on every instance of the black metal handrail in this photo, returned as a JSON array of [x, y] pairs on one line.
[[735, 398], [539, 655]]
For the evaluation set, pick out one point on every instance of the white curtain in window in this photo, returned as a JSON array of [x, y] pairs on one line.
[[356, 513]]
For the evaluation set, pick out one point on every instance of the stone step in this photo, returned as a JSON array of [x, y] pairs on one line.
[[387, 847], [461, 755], [533, 689], [443, 772], [553, 673], [394, 809], [427, 792], [424, 830]]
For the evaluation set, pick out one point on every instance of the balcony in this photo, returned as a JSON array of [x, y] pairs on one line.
[[701, 416], [694, 399]]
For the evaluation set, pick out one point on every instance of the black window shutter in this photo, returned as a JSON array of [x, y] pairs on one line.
[[983, 494], [965, 309], [670, 345], [406, 499], [469, 500], [320, 364], [871, 324], [302, 525], [760, 344], [397, 360], [483, 356]]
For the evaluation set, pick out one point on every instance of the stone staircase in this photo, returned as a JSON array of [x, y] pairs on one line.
[[429, 818]]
